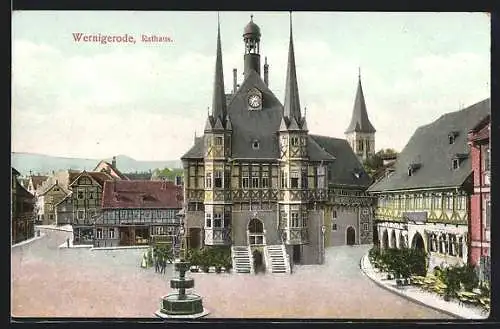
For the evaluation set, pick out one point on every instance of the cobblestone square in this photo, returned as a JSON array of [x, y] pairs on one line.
[[52, 282]]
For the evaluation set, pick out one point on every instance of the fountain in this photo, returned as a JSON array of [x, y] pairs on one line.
[[181, 304]]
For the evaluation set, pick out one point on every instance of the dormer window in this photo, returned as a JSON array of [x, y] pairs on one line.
[[412, 168], [218, 140], [255, 145], [457, 159], [295, 141], [452, 136]]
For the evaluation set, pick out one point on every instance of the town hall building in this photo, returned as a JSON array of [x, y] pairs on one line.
[[259, 181]]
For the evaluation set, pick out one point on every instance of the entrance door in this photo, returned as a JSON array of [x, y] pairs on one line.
[[296, 254], [350, 236], [194, 238], [258, 261]]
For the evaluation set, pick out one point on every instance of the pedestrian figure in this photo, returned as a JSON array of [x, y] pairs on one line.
[[67, 242], [157, 265], [163, 265]]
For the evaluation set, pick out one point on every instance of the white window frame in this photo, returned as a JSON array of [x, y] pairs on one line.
[[294, 219], [208, 220], [98, 233], [111, 233], [218, 174], [366, 227], [208, 180], [80, 214], [218, 216]]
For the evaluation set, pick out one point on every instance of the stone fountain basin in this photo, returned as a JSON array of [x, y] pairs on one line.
[[190, 304], [187, 283]]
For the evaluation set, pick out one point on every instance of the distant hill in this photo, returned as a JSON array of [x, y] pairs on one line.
[[40, 163]]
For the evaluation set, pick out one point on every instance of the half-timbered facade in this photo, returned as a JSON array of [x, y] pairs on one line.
[[480, 221], [424, 202], [85, 201], [22, 211], [138, 213], [257, 177]]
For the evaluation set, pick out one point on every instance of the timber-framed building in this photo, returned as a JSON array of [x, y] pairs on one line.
[[424, 200], [258, 180]]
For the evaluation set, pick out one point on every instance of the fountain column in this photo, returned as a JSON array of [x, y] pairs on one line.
[[181, 304]]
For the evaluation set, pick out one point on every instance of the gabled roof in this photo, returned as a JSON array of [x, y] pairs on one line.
[[51, 187], [63, 178], [429, 146], [346, 169], [66, 198], [97, 176], [359, 119], [141, 194], [106, 165], [37, 180]]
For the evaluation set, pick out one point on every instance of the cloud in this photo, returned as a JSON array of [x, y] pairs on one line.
[[147, 102]]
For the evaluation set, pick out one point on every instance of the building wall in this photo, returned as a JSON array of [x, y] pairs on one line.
[[479, 233], [311, 252], [50, 199], [346, 217], [240, 226], [64, 212]]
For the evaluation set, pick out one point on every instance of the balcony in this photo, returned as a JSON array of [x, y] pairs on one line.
[[217, 236], [296, 235]]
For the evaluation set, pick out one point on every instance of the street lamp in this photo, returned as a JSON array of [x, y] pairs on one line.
[[323, 230]]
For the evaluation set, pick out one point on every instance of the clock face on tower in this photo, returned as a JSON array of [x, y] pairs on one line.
[[254, 101]]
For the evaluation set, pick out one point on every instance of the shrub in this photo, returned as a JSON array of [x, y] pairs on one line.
[[451, 277], [468, 277]]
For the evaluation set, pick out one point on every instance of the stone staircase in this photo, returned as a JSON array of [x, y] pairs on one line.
[[242, 259], [277, 260]]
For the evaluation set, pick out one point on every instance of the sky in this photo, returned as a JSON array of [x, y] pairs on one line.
[[147, 101]]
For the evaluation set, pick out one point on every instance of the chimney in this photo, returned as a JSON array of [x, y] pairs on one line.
[[266, 72], [235, 86], [113, 162], [31, 173]]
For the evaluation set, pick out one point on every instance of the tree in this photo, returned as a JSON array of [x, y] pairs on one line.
[[374, 164]]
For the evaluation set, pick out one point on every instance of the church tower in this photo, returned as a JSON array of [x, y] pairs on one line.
[[361, 134]]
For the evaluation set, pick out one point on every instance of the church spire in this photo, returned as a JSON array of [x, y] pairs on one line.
[[359, 120], [292, 103], [219, 97]]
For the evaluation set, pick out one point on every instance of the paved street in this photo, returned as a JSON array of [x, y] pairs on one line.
[[48, 281]]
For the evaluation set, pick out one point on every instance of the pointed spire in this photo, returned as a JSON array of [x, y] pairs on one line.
[[292, 102], [208, 124], [219, 97], [359, 120]]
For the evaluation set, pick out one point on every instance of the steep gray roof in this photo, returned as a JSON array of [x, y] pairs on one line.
[[346, 169], [359, 119], [196, 151], [429, 147], [261, 125]]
